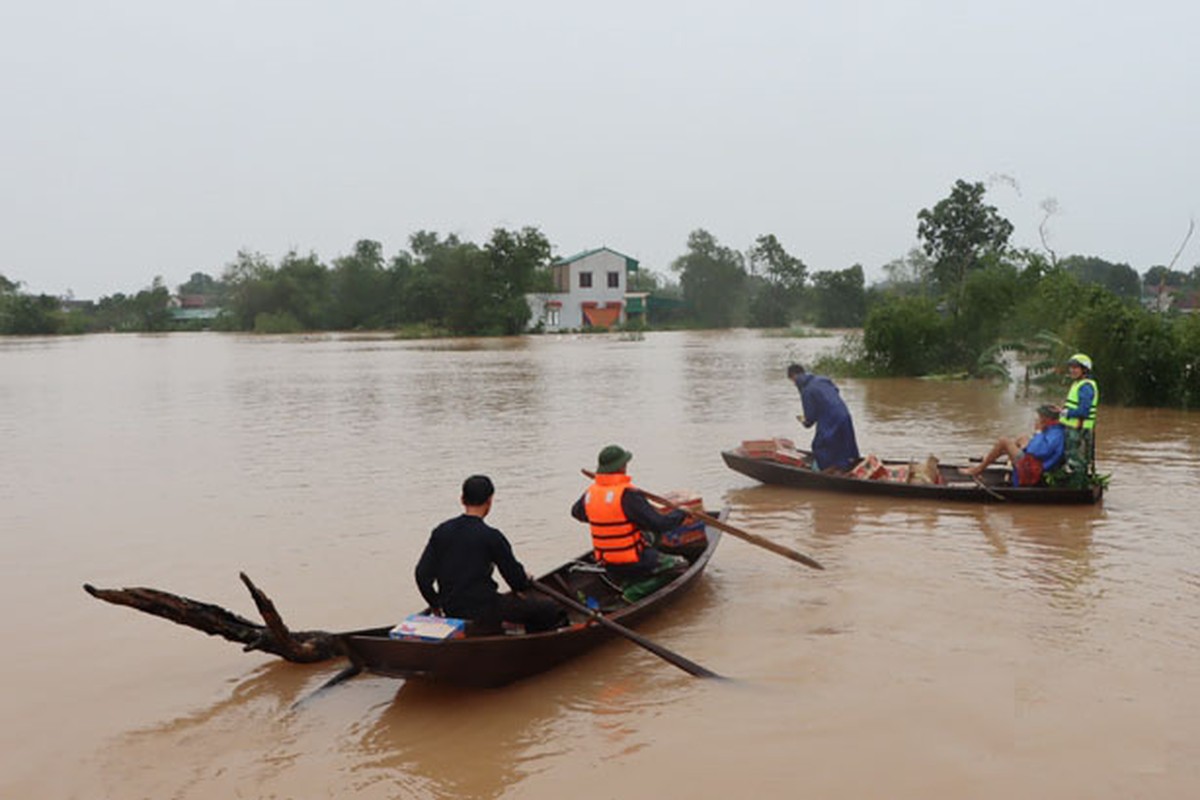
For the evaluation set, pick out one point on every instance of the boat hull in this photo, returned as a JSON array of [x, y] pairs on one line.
[[992, 486], [496, 660]]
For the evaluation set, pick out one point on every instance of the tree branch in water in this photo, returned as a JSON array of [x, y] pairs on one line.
[[302, 647]]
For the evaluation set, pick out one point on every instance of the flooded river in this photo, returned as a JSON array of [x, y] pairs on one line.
[[945, 652]]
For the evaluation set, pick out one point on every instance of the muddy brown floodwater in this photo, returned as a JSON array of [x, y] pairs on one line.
[[945, 652]]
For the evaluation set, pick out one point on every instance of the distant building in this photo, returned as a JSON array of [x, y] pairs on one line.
[[589, 292], [193, 301], [192, 308]]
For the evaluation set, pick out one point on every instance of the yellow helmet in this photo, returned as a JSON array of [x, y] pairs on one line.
[[1081, 360]]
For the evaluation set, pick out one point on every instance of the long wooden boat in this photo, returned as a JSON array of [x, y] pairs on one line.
[[495, 660], [993, 486]]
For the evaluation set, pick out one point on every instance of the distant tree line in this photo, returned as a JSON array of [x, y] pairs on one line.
[[446, 286], [956, 304], [24, 314]]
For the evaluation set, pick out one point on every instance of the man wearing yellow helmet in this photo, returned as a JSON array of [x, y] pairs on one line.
[[1078, 414]]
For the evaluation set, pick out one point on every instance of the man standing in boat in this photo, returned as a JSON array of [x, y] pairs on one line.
[[621, 518], [454, 572], [1078, 413], [834, 445]]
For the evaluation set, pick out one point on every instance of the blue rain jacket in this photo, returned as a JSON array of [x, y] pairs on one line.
[[834, 444]]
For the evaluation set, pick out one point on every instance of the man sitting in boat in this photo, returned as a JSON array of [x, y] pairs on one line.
[[454, 572], [834, 445], [621, 519], [1031, 457]]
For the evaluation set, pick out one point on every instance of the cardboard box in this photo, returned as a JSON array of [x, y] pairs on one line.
[[870, 468], [687, 500], [794, 457], [758, 447], [426, 627], [777, 449]]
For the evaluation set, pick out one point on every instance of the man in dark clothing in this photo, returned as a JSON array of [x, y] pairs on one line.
[[454, 573], [834, 445], [620, 517]]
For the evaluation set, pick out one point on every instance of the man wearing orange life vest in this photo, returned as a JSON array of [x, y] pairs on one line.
[[618, 514]]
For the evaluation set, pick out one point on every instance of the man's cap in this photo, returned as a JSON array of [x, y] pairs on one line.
[[1048, 411], [612, 459]]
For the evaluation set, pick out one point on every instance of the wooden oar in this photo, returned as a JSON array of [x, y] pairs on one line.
[[988, 489], [752, 538], [345, 675], [658, 650], [981, 484]]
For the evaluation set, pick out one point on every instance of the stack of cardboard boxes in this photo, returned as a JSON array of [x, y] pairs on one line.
[[776, 449]]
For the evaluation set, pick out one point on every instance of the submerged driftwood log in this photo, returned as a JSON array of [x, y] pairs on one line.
[[303, 647]]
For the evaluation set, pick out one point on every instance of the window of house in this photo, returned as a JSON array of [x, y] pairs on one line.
[[585, 280], [553, 317], [614, 280], [562, 277]]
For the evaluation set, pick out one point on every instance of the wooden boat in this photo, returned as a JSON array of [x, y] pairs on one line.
[[495, 660], [993, 486]]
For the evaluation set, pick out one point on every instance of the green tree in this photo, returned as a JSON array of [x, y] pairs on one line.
[[958, 233], [777, 283], [905, 336], [1120, 279], [645, 280], [28, 315], [910, 275], [359, 283], [1164, 276], [713, 279], [420, 280], [989, 298], [201, 283], [839, 298], [8, 293], [514, 260], [466, 268], [302, 290], [150, 308], [250, 287]]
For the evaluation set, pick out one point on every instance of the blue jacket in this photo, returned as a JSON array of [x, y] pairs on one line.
[[1048, 446], [834, 444]]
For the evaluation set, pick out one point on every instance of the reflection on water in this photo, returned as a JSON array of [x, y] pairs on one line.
[[1050, 547], [415, 746], [450, 742], [245, 737]]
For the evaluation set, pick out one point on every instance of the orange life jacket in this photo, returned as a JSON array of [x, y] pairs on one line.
[[615, 540]]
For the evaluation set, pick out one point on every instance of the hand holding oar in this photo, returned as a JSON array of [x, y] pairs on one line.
[[658, 650], [708, 519]]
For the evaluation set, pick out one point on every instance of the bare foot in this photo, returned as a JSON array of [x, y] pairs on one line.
[[971, 471]]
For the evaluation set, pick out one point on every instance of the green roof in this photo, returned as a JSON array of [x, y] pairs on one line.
[[631, 264]]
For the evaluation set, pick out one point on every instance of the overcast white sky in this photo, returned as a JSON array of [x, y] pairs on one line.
[[142, 138]]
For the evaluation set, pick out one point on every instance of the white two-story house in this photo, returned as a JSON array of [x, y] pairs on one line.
[[589, 292]]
